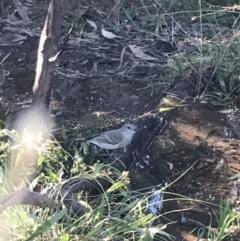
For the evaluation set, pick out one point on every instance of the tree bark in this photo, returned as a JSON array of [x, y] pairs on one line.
[[47, 54]]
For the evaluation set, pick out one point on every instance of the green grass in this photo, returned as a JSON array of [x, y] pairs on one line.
[[228, 222], [215, 47], [113, 215], [104, 220]]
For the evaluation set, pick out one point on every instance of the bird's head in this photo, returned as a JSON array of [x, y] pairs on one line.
[[129, 129]]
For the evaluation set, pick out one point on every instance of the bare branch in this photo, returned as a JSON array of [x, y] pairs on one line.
[[22, 198], [61, 192]]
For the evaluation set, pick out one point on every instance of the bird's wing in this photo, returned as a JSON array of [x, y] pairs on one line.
[[114, 136], [111, 137]]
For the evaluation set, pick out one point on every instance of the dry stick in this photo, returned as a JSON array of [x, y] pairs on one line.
[[23, 197], [21, 11], [60, 192], [68, 35]]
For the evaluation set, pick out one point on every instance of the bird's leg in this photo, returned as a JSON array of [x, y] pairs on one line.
[[106, 151], [110, 155]]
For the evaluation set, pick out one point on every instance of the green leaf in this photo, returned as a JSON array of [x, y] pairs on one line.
[[97, 168], [116, 186], [67, 25], [142, 221], [12, 134], [52, 175], [65, 237], [149, 18], [126, 12], [232, 83], [64, 135], [96, 228], [179, 65], [238, 39], [159, 23], [122, 182], [236, 176], [19, 157], [99, 214], [47, 224], [165, 109], [151, 233], [129, 17], [8, 122], [146, 236], [41, 159], [108, 22], [171, 4]]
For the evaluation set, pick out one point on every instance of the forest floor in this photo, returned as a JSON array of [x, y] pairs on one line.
[[101, 82]]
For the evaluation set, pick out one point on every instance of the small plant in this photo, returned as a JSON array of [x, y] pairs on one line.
[[228, 222]]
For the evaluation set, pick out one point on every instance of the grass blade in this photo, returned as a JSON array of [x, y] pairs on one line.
[[47, 224]]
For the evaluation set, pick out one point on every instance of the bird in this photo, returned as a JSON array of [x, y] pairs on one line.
[[113, 139]]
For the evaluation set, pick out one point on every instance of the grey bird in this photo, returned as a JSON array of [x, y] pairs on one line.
[[114, 139]]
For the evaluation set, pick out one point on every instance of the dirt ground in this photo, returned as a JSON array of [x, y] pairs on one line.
[[91, 90]]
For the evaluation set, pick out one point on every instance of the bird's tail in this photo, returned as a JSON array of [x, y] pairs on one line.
[[82, 139], [85, 138]]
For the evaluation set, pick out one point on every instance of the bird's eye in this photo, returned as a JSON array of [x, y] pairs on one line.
[[128, 127]]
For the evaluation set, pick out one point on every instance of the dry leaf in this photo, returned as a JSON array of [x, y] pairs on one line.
[[181, 45], [107, 34], [92, 24], [139, 53]]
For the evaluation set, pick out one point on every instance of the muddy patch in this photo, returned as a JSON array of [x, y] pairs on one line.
[[194, 139]]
